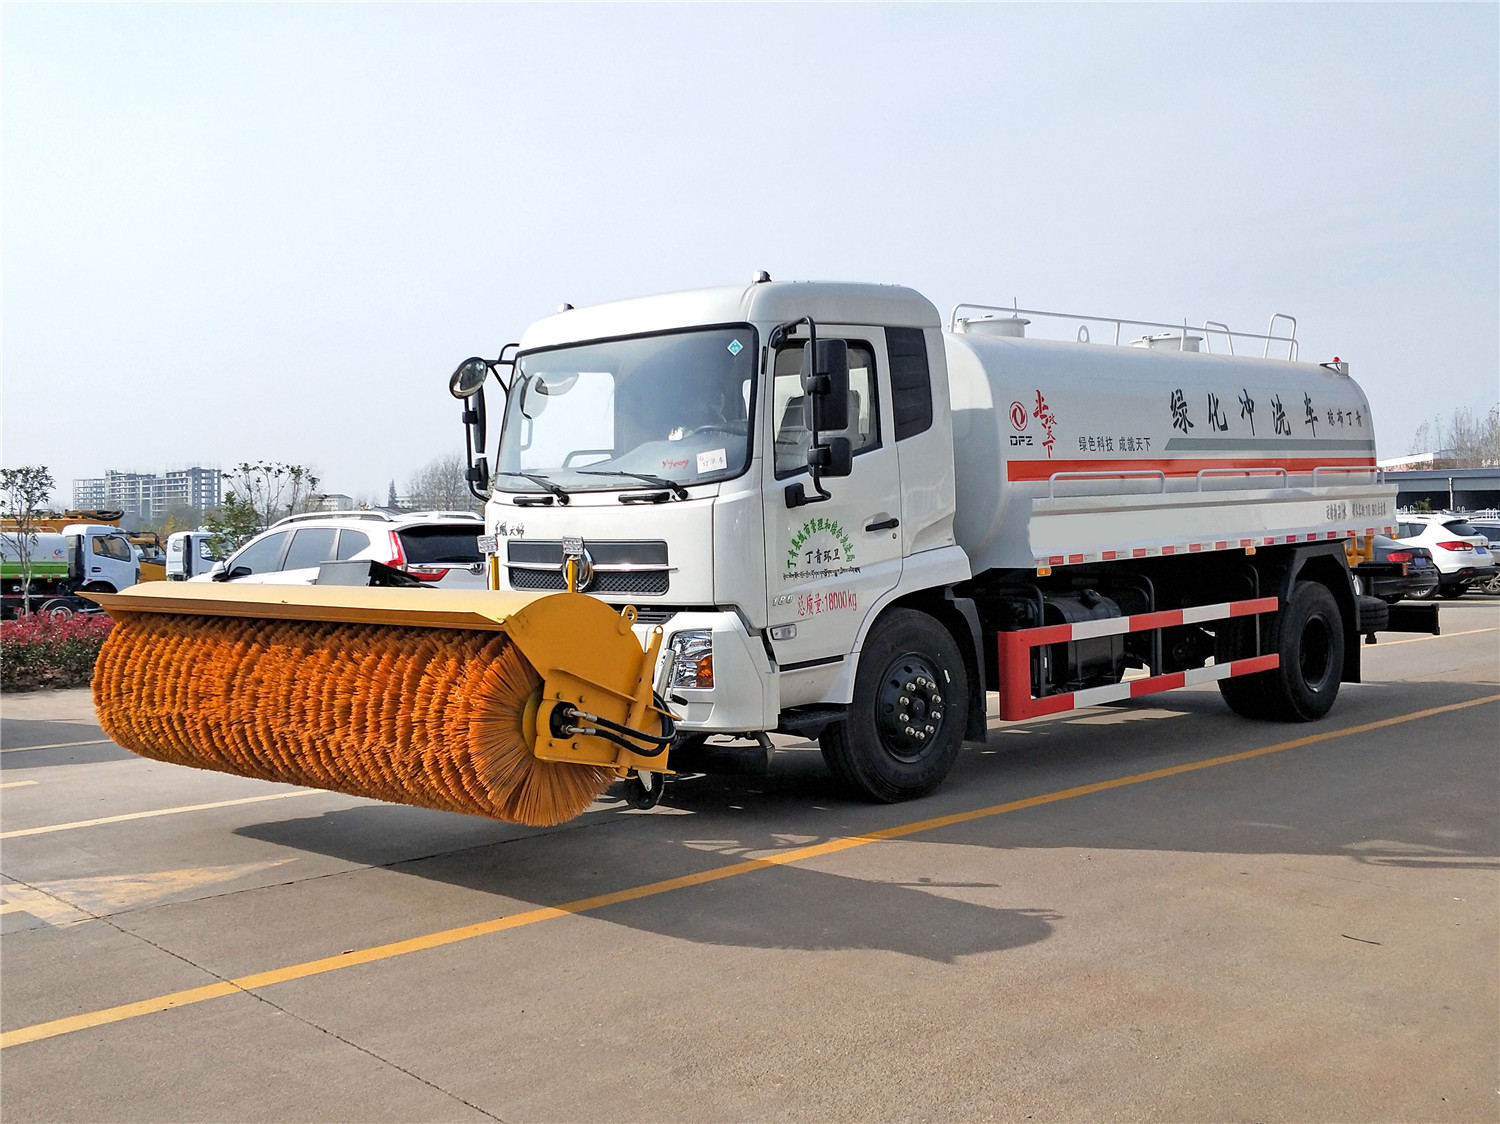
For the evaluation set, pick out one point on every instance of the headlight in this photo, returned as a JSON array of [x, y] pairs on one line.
[[694, 652]]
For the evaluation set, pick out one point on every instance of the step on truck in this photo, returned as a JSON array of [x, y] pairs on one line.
[[852, 521]]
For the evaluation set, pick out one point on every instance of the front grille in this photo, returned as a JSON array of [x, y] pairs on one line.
[[653, 583], [648, 573]]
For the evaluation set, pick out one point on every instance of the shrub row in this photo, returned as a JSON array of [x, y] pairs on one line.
[[40, 651]]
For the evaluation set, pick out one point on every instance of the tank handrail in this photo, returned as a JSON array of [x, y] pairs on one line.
[[1347, 468], [1108, 474], [1291, 351], [1220, 327], [1268, 338], [1262, 471]]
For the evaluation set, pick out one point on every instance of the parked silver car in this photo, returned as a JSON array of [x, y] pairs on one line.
[[440, 547]]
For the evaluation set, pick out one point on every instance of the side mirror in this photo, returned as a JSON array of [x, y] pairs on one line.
[[218, 573], [834, 457], [468, 378], [825, 379]]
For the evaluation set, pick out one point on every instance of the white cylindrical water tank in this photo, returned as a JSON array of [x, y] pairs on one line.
[[1030, 415]]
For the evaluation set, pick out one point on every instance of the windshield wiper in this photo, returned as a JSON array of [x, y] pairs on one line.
[[542, 482], [655, 481]]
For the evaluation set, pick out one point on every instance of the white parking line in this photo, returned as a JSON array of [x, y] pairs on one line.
[[159, 812], [55, 745]]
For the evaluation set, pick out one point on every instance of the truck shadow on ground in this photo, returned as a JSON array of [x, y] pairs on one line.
[[1371, 800]]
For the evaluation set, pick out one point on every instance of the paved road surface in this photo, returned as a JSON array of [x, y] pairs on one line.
[[1149, 911]]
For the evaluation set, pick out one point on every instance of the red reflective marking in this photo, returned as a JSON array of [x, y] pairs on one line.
[[1139, 552], [1251, 608], [1254, 664], [1194, 547], [1074, 558], [1042, 469], [1110, 555], [1157, 683], [1168, 550]]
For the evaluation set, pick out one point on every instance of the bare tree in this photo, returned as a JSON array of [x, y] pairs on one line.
[[23, 491], [1465, 441], [272, 489], [441, 486]]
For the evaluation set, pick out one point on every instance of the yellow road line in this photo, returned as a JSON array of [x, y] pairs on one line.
[[55, 745], [16, 784], [1422, 639], [108, 1015], [158, 812]]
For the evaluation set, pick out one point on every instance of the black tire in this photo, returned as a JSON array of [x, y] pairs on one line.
[[1422, 594], [58, 609], [1453, 592], [1374, 615], [874, 752], [1244, 693], [1309, 637]]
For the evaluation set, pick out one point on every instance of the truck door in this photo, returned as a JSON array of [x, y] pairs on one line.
[[110, 561], [827, 563]]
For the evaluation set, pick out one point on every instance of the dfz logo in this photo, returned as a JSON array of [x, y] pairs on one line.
[[1020, 439]]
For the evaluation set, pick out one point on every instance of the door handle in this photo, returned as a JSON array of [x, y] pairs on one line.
[[93, 569], [884, 524]]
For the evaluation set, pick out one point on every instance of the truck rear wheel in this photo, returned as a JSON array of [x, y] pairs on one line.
[[905, 724], [1309, 637]]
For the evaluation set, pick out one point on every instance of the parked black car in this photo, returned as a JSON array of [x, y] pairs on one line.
[[1398, 570]]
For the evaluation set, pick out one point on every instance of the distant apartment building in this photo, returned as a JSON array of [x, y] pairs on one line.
[[145, 498]]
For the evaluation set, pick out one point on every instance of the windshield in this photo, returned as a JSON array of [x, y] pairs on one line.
[[673, 408]]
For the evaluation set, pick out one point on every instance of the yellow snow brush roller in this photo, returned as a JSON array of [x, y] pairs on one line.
[[519, 707]]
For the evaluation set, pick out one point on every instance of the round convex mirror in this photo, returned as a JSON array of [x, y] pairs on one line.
[[468, 378]]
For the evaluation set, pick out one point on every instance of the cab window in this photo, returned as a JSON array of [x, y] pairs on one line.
[[788, 407], [112, 546]]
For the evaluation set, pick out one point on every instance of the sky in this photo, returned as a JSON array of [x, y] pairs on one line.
[[270, 232]]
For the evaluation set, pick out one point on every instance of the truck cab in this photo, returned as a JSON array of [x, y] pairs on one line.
[[102, 558], [664, 443]]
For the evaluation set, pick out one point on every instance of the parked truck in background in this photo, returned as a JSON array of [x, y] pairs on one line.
[[80, 558], [853, 521], [188, 554], [147, 544]]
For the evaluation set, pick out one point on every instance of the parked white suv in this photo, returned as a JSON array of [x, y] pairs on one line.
[[441, 547], [1461, 552]]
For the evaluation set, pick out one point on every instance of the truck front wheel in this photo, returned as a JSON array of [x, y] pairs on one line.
[[905, 724], [1309, 638]]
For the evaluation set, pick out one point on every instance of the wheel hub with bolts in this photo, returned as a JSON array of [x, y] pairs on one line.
[[910, 707]]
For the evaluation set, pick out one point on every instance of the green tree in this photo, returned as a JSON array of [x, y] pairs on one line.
[[233, 525], [391, 500], [23, 491]]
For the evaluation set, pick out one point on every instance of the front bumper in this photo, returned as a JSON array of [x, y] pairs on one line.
[[745, 695]]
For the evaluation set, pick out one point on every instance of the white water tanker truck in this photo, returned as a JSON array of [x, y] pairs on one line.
[[852, 522], [805, 508]]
